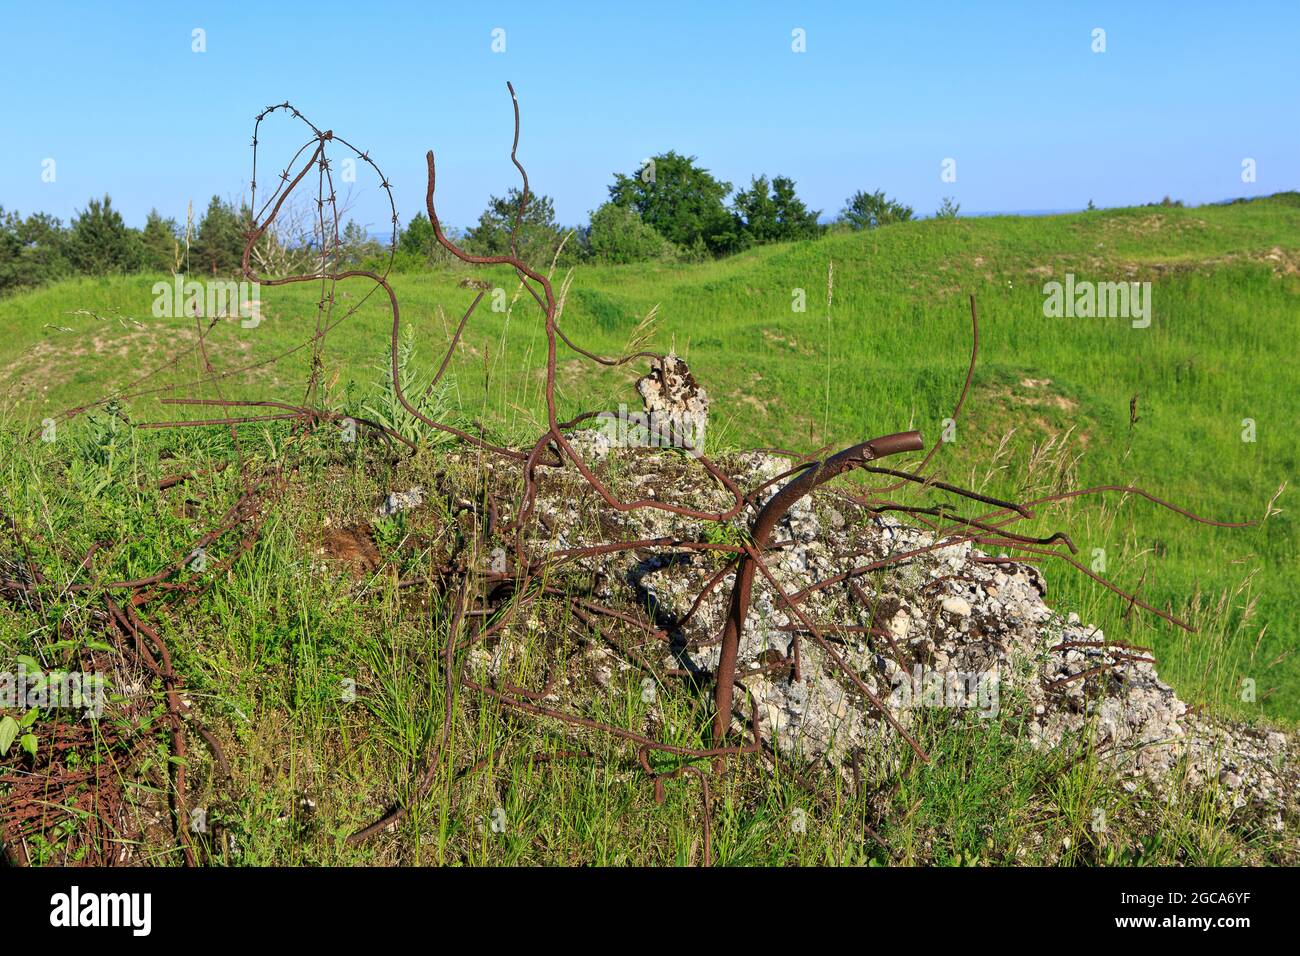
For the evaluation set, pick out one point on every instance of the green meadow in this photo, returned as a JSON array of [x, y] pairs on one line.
[[823, 343], [802, 346]]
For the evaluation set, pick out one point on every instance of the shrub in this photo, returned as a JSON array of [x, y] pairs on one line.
[[618, 235], [948, 210], [864, 210], [772, 213]]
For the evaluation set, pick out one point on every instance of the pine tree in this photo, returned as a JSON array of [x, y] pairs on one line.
[[100, 242], [538, 235], [160, 247], [218, 247]]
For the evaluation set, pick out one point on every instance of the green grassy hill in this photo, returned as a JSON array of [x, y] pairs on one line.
[[1050, 402]]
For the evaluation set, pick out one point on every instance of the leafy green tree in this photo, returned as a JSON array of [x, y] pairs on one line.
[[11, 252], [771, 212], [417, 246], [218, 247], [538, 236], [10, 246], [33, 251], [618, 235], [160, 245], [355, 247], [45, 247], [865, 210], [683, 202], [796, 220], [754, 210], [418, 238], [100, 242]]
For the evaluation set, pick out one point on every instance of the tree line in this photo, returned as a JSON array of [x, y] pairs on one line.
[[40, 248], [670, 210]]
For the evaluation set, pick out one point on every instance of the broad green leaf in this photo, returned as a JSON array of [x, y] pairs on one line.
[[8, 731]]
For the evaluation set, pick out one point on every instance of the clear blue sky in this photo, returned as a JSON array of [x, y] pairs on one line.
[[884, 93]]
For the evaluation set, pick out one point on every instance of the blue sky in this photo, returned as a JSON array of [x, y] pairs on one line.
[[884, 93]]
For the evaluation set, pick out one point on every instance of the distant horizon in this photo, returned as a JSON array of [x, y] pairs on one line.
[[824, 220]]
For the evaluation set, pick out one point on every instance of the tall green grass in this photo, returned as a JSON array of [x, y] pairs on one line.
[[1220, 349], [324, 684]]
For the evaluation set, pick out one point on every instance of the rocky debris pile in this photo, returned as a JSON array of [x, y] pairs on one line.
[[952, 629]]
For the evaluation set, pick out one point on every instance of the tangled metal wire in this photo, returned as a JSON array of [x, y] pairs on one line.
[[480, 595]]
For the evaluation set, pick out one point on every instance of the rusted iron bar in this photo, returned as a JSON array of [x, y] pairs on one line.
[[761, 531]]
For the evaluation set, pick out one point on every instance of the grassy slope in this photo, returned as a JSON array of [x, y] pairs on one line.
[[1220, 349], [266, 647], [271, 649]]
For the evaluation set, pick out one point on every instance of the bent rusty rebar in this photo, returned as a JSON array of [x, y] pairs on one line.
[[761, 532]]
